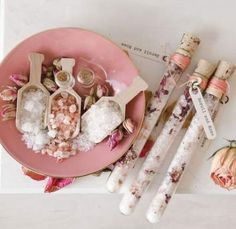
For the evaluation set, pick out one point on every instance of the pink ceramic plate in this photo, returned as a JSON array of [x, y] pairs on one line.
[[75, 43]]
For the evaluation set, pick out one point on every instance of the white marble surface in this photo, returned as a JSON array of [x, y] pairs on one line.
[[100, 212], [151, 25]]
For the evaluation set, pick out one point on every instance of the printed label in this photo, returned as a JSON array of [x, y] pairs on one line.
[[202, 112], [160, 56]]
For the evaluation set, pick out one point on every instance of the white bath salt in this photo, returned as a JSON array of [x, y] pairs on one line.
[[36, 141], [52, 133], [117, 86], [33, 108], [101, 119], [83, 143]]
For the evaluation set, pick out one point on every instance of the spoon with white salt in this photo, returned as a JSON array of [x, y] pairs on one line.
[[109, 112], [36, 60]]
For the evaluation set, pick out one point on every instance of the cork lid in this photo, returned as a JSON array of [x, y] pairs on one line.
[[204, 69], [188, 44], [224, 70]]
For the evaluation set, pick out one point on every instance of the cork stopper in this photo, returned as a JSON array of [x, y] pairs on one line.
[[188, 45], [224, 70], [204, 69]]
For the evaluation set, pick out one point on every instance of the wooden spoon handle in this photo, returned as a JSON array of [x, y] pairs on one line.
[[67, 64], [36, 60], [129, 93]]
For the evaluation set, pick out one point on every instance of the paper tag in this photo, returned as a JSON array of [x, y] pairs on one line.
[[202, 112]]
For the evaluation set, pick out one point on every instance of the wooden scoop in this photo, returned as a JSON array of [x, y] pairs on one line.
[[122, 99], [36, 60], [66, 81]]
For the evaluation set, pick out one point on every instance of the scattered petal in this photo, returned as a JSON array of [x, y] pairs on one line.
[[9, 94], [50, 84], [32, 174], [115, 137], [102, 90], [55, 184], [129, 125], [8, 111], [18, 79], [147, 147]]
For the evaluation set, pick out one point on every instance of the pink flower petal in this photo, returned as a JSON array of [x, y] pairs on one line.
[[55, 184], [147, 147], [33, 175], [18, 79]]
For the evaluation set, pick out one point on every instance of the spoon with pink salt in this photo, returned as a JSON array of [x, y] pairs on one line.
[[109, 112], [66, 99]]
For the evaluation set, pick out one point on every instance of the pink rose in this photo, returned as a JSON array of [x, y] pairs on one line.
[[223, 169]]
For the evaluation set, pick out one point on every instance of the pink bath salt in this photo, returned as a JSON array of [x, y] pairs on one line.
[[72, 108], [64, 115]]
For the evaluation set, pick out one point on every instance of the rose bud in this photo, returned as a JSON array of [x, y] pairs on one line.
[[18, 79], [8, 112], [115, 137], [223, 169], [129, 125], [9, 94], [57, 63], [102, 90], [50, 84]]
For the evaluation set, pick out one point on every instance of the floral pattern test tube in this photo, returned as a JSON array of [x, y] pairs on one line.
[[215, 90], [165, 139], [178, 63]]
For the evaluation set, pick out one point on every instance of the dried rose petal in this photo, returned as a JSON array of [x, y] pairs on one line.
[[55, 184], [32, 174], [129, 125], [102, 90], [50, 84], [147, 147], [88, 102], [57, 64], [18, 79], [8, 111], [115, 137], [9, 94]]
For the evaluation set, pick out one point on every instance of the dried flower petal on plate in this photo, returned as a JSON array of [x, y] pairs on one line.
[[55, 184], [18, 79], [89, 101], [223, 168], [9, 94], [57, 64], [102, 90], [8, 111], [129, 125], [32, 174], [115, 137], [50, 84]]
